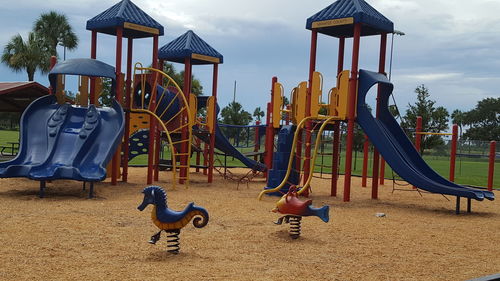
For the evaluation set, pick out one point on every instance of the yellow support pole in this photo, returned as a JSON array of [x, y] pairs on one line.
[[83, 88]]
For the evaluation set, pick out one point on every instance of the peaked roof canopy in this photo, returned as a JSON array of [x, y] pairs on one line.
[[85, 67], [16, 96], [190, 45], [135, 22], [339, 18]]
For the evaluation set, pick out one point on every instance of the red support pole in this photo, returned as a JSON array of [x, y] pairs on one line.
[[118, 97], [270, 130], [128, 90], [93, 55], [312, 68], [256, 146], [198, 155], [184, 134], [382, 171], [453, 156], [491, 168], [336, 128], [376, 155], [152, 122], [351, 114], [212, 136], [157, 152], [156, 131], [418, 136], [365, 161]]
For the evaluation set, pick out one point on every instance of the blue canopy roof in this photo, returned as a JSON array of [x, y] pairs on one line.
[[135, 22], [190, 45], [84, 67], [339, 18]]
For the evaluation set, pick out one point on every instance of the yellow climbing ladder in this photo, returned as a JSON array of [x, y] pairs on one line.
[[180, 122]]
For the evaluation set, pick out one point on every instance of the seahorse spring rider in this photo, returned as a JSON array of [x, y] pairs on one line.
[[169, 220], [294, 209]]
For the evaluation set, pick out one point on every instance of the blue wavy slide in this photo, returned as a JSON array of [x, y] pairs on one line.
[[65, 142], [224, 145], [398, 151]]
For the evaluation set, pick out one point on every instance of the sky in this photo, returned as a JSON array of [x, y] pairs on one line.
[[453, 49]]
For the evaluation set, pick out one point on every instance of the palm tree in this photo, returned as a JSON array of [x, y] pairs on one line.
[[457, 117], [26, 55], [54, 29], [258, 113]]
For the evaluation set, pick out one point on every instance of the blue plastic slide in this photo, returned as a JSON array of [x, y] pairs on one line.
[[398, 151], [66, 142], [224, 145]]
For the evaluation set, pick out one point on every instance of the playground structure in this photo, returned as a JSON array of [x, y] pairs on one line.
[[167, 113], [345, 19], [61, 141], [151, 102]]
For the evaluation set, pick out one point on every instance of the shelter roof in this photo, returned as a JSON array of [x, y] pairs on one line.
[[338, 19], [16, 96], [190, 45], [135, 22]]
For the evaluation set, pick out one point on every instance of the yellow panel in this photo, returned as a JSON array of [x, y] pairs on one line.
[[293, 100], [193, 106], [299, 105], [98, 90], [138, 121], [142, 28], [343, 94], [83, 88], [205, 58], [210, 114], [60, 89], [277, 104], [316, 92], [332, 102], [333, 22]]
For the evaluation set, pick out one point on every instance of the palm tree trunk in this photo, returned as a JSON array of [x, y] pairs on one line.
[[31, 74]]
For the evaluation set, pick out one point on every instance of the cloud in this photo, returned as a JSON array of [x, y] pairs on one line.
[[451, 47], [427, 77]]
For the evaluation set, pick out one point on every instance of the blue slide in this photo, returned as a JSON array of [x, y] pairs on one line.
[[398, 151], [224, 145], [65, 142]]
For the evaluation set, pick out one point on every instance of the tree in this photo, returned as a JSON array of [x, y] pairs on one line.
[[196, 87], [483, 120], [457, 117], [53, 29], [434, 119], [234, 114], [28, 55], [258, 113]]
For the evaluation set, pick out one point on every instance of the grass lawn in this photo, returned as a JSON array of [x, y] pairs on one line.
[[470, 171]]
